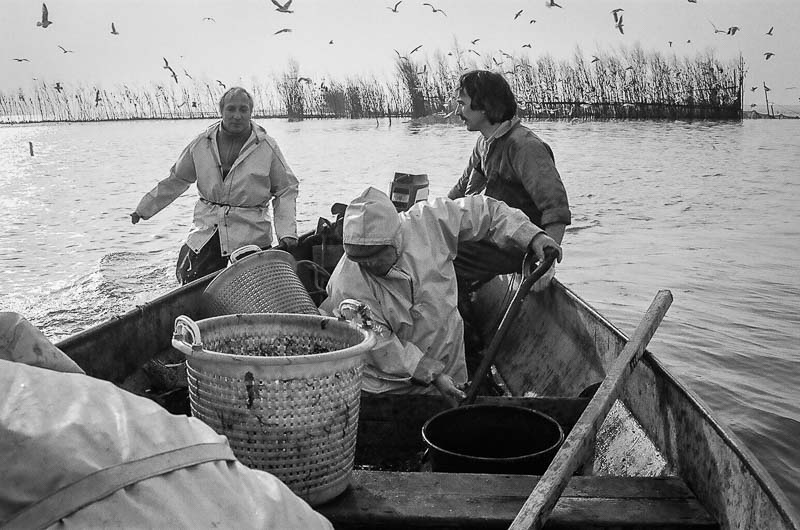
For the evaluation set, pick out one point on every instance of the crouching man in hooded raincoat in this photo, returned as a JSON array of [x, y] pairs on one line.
[[401, 267]]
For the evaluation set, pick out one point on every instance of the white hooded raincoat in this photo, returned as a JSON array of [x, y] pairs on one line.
[[417, 299]]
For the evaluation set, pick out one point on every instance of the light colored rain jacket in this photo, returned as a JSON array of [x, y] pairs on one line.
[[238, 206], [417, 299]]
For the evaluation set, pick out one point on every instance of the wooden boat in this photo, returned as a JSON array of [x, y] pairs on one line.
[[659, 460]]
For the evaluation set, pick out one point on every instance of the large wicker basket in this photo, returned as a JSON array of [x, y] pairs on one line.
[[284, 389], [262, 282]]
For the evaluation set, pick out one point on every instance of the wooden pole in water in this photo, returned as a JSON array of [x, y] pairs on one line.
[[576, 447], [30, 147], [766, 99]]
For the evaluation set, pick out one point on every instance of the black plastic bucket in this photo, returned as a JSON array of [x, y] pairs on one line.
[[492, 439]]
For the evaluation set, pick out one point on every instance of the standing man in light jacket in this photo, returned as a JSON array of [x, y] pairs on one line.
[[239, 171], [400, 266]]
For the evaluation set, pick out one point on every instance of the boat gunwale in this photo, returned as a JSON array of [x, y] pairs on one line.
[[762, 477]]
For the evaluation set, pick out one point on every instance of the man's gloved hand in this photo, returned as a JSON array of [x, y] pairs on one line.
[[538, 245], [287, 243], [542, 241], [448, 388]]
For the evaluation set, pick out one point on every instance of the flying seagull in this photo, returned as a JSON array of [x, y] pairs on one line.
[[518, 14], [304, 80], [552, 3], [767, 55], [476, 53], [58, 87], [166, 64], [595, 58], [526, 45], [533, 21], [20, 59], [330, 41], [284, 30], [415, 49], [172, 73], [282, 8], [435, 10], [753, 88], [474, 41], [614, 12], [619, 25], [114, 29], [732, 30], [221, 83], [394, 9], [770, 31], [45, 21], [63, 49], [187, 74], [210, 19]]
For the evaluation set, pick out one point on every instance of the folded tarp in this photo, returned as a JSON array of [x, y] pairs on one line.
[[79, 452]]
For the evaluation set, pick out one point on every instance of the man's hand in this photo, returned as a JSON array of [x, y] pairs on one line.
[[135, 217], [448, 388], [542, 241], [287, 243]]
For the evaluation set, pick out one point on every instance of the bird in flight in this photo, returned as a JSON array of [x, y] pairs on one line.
[[97, 98], [552, 3], [753, 88], [284, 30], [209, 19], [533, 21], [435, 9], [595, 58], [716, 29], [330, 41], [282, 8], [766, 88], [166, 64], [20, 59], [172, 72], [394, 9], [187, 74], [220, 83], [526, 45], [767, 55], [770, 31], [45, 21], [615, 11], [475, 40], [518, 14], [692, 1], [114, 29], [304, 80], [63, 49], [618, 25], [476, 53], [670, 43], [732, 30], [58, 87], [415, 49]]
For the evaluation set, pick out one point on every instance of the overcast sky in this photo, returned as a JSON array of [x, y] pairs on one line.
[[240, 44]]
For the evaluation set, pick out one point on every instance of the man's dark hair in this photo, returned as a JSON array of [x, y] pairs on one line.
[[490, 92], [230, 92]]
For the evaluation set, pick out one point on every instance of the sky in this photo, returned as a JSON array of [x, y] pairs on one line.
[[239, 46]]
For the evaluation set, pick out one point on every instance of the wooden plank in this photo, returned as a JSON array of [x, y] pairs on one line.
[[467, 500], [578, 444]]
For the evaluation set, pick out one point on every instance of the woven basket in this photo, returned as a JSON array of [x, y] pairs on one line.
[[284, 389], [263, 282]]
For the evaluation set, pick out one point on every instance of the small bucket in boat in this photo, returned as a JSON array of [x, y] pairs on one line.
[[408, 189], [496, 439]]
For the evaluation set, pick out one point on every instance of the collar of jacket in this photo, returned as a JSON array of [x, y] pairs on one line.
[[257, 130], [501, 130]]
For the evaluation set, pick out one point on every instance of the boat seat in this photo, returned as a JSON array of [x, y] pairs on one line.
[[381, 499]]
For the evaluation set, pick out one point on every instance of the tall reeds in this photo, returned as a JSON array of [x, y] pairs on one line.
[[628, 83]]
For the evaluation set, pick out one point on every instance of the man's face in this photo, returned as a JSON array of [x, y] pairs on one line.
[[475, 120], [236, 113], [375, 259]]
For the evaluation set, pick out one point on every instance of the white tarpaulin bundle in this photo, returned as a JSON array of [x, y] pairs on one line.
[[79, 452]]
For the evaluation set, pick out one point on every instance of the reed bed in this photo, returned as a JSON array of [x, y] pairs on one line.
[[628, 83]]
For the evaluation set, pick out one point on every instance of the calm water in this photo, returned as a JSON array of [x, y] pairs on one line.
[[710, 211]]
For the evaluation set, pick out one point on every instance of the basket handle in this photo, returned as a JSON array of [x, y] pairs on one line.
[[247, 249], [186, 326]]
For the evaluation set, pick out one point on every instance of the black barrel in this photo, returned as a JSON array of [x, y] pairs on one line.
[[496, 439]]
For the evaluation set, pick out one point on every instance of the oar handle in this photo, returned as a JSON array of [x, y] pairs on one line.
[[573, 452], [509, 316]]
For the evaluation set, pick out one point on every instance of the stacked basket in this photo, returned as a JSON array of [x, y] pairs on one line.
[[284, 388]]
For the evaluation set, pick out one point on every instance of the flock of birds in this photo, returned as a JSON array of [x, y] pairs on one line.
[[285, 7]]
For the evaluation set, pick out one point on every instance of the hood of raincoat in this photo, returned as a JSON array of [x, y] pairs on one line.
[[371, 219]]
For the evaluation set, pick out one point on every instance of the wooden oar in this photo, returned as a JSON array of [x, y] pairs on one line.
[[576, 447], [509, 317]]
